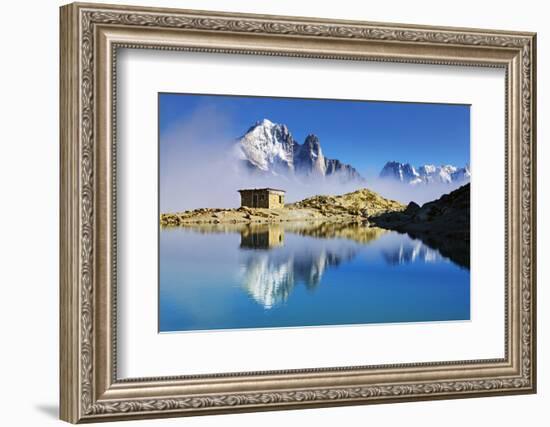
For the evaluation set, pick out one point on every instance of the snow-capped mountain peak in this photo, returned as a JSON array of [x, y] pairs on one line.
[[427, 169], [402, 172], [265, 122], [426, 174], [269, 147]]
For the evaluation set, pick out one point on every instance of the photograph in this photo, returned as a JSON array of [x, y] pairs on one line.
[[291, 212]]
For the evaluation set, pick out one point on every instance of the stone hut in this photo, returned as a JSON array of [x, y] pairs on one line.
[[268, 198]]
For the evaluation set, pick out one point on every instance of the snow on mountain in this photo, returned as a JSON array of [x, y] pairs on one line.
[[425, 174], [461, 174], [270, 148], [402, 172]]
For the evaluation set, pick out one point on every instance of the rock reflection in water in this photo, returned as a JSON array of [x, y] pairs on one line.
[[355, 231], [267, 235]]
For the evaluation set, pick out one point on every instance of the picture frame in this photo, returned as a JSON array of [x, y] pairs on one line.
[[91, 37]]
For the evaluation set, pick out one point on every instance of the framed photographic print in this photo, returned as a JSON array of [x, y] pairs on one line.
[[265, 212]]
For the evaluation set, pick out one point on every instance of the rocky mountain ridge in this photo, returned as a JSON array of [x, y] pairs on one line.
[[425, 174], [270, 148]]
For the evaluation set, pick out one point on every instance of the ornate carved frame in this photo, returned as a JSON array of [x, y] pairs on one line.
[[90, 36]]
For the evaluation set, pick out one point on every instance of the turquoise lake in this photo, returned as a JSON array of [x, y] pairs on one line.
[[233, 277]]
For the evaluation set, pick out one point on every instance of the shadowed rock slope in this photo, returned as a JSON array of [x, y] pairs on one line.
[[443, 224]]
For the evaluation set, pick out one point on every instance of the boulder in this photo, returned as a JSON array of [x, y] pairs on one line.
[[412, 208]]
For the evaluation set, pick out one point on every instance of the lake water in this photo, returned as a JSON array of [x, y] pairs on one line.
[[231, 277]]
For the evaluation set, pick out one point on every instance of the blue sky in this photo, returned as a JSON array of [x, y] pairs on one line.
[[365, 134]]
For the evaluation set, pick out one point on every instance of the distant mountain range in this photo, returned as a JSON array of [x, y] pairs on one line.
[[425, 174], [269, 148]]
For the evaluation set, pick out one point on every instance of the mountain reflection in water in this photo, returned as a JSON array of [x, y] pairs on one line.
[[303, 274], [270, 277], [410, 251]]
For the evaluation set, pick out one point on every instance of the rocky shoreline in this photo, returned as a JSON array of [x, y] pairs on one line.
[[357, 206], [245, 215], [443, 224]]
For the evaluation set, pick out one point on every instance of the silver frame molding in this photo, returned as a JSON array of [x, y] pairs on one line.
[[90, 37]]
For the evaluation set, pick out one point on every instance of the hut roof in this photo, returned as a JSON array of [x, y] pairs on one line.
[[262, 189]]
